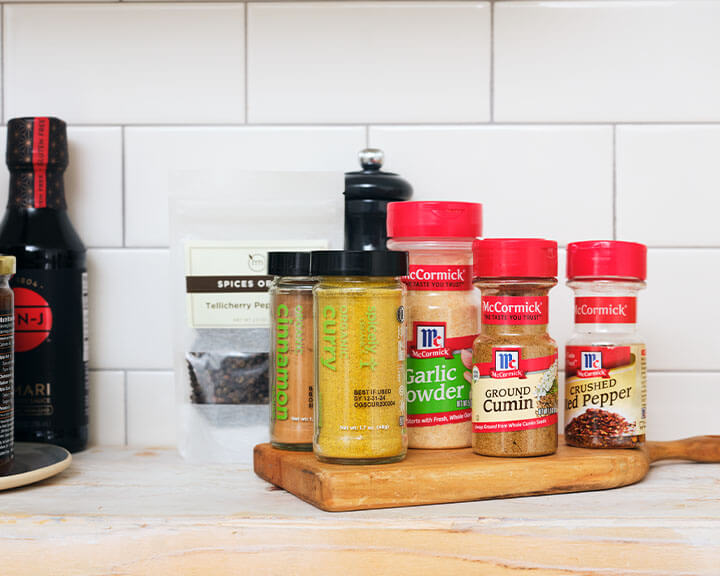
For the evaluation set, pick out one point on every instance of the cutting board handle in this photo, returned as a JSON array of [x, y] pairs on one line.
[[697, 448]]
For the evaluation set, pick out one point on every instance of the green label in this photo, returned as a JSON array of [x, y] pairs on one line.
[[437, 386]]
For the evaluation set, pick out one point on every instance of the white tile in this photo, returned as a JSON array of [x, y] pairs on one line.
[[150, 409], [107, 408], [681, 405], [552, 182], [130, 320], [677, 315], [607, 61], [668, 179], [153, 154], [120, 63], [93, 184], [369, 62]]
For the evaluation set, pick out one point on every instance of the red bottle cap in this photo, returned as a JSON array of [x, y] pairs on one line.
[[434, 219], [609, 259], [514, 258]]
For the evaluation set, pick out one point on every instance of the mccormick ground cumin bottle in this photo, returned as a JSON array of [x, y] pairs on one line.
[[50, 288], [605, 370], [515, 386]]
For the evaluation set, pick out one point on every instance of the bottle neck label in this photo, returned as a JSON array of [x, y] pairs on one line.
[[37, 188], [605, 310]]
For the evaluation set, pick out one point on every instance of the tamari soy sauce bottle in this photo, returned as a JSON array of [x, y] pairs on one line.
[[51, 402]]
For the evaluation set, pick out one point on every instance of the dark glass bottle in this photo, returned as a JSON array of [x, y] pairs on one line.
[[50, 286]]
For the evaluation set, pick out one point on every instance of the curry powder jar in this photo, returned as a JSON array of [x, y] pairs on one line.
[[360, 411]]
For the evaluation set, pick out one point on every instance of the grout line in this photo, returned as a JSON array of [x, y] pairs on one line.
[[122, 183], [614, 181], [429, 124], [492, 62], [247, 76], [367, 136], [125, 400]]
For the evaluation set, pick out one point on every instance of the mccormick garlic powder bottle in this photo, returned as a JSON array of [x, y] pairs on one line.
[[605, 388]]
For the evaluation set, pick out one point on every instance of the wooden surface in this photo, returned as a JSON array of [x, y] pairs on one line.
[[442, 476], [145, 512]]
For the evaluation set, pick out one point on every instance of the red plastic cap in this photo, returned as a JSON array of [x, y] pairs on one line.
[[434, 220], [514, 258], [607, 259]]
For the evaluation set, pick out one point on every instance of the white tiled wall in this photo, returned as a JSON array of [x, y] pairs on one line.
[[568, 119]]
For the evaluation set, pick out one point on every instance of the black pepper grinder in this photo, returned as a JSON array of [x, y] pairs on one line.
[[367, 194]]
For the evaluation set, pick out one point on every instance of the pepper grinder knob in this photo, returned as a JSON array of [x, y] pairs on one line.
[[371, 159]]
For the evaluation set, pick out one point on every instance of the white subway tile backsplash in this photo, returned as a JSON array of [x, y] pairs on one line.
[[668, 179], [130, 321], [552, 182], [150, 409], [93, 183], [682, 405], [341, 62], [107, 408], [153, 154], [119, 63], [607, 61], [676, 313]]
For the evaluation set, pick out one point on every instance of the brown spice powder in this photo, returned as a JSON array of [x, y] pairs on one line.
[[533, 342], [292, 372]]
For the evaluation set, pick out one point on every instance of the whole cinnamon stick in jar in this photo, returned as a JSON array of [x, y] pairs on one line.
[[292, 370]]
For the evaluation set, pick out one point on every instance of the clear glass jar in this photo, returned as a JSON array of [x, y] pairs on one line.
[[606, 364], [442, 316], [360, 362], [292, 364], [515, 386]]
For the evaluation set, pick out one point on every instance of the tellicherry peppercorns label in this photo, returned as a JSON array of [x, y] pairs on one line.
[[605, 391], [512, 393]]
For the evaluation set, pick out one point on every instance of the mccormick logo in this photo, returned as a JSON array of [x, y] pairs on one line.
[[429, 341], [429, 337], [591, 366], [605, 310], [507, 364]]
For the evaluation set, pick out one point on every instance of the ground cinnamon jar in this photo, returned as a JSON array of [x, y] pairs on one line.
[[605, 369], [7, 323], [515, 387], [292, 371]]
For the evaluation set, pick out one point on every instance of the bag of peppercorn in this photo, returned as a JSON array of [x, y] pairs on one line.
[[221, 233]]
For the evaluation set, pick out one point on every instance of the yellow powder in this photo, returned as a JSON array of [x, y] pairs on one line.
[[360, 370]]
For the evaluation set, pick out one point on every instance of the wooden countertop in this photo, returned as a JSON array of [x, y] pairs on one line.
[[146, 512]]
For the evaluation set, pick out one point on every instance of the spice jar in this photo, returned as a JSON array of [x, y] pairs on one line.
[[605, 361], [7, 389], [292, 371], [359, 356], [515, 387], [442, 317]]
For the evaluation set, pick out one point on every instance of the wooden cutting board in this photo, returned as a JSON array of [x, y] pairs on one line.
[[441, 476]]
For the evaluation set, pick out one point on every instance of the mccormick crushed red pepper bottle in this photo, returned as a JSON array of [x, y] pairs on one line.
[[50, 288], [605, 388]]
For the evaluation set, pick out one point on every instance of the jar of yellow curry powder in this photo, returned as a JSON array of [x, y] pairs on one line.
[[359, 356]]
